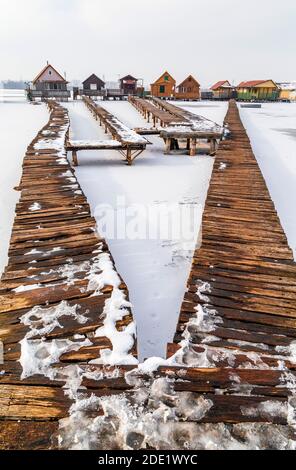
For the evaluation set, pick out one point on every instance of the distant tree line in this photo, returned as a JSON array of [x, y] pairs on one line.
[[14, 84]]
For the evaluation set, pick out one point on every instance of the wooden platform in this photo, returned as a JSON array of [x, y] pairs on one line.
[[132, 143], [178, 126], [244, 279], [54, 248], [154, 114], [235, 364], [75, 146]]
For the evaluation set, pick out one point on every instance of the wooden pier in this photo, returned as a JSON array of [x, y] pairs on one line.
[[153, 114], [235, 365], [128, 142], [177, 126], [244, 278], [54, 253]]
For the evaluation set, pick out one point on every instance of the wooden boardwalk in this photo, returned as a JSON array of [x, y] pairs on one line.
[[178, 126], [56, 267], [240, 307], [153, 113], [131, 143], [232, 361]]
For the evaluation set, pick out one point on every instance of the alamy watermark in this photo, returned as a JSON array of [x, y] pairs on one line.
[[139, 221]]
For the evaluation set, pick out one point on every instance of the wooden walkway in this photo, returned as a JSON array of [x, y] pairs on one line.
[[153, 113], [232, 361], [58, 280], [132, 144], [240, 308], [179, 126]]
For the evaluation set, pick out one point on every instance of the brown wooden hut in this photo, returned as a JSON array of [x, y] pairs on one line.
[[128, 85], [93, 83], [164, 86], [189, 89]]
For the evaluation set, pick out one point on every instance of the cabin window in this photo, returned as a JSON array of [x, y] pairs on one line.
[[93, 86], [49, 72], [166, 77], [161, 89]]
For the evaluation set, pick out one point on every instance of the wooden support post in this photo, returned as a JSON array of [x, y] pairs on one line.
[[188, 145], [193, 147], [213, 146], [74, 158], [167, 146], [129, 156]]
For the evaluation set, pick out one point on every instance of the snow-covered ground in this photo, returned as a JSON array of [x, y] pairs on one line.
[[211, 110], [19, 122], [155, 268], [272, 130]]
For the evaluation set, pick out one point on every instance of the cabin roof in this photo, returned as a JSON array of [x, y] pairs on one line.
[[62, 79], [220, 84], [128, 77], [186, 79], [253, 83], [93, 76], [165, 73]]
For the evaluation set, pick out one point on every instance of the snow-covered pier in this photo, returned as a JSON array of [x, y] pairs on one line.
[[62, 301], [178, 125], [71, 378], [132, 144]]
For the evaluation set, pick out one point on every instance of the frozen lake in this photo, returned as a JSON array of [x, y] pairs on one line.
[[157, 186], [272, 131]]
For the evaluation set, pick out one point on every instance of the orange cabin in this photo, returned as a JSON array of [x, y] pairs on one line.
[[164, 86]]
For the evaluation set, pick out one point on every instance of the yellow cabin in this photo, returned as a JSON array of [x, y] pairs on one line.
[[265, 90]]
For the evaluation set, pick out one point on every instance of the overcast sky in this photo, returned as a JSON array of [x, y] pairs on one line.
[[211, 39]]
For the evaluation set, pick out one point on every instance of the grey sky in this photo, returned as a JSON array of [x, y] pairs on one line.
[[212, 39]]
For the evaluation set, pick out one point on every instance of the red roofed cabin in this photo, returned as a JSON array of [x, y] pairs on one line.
[[258, 90], [49, 83], [223, 90], [188, 89], [164, 86]]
